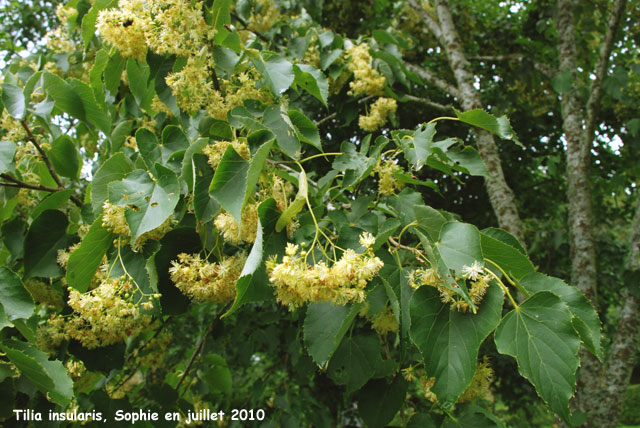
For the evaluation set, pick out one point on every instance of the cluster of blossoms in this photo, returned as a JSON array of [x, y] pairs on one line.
[[108, 314], [153, 353], [101, 317], [233, 93], [388, 184], [216, 150], [191, 85], [480, 384], [264, 17], [228, 226], [343, 282], [385, 322], [164, 26], [475, 274], [44, 294], [207, 282], [114, 220], [12, 129], [367, 80], [379, 112]]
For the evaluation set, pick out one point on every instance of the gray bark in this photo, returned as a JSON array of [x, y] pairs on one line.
[[579, 136], [500, 194]]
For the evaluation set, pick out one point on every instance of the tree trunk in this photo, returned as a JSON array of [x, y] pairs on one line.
[[500, 194], [579, 137]]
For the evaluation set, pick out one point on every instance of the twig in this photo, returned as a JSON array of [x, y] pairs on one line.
[[44, 156], [199, 348], [22, 185], [244, 24], [323, 120], [434, 80], [429, 103]]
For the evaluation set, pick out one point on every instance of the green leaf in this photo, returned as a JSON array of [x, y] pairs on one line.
[[418, 148], [421, 420], [306, 130], [255, 168], [52, 202], [15, 300], [510, 260], [7, 154], [89, 20], [217, 374], [221, 16], [114, 168], [14, 101], [278, 122], [473, 417], [297, 204], [499, 126], [449, 340], [65, 98], [229, 183], [468, 158], [277, 71], [141, 87], [505, 237], [204, 206], [187, 164], [540, 336], [85, 260], [65, 157], [355, 361], [379, 401], [95, 75], [252, 284], [42, 244], [430, 220], [459, 245], [148, 146], [313, 81], [148, 203], [13, 235], [585, 318], [324, 326], [95, 113], [50, 377]]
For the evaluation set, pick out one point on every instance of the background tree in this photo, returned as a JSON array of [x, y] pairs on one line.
[[255, 211]]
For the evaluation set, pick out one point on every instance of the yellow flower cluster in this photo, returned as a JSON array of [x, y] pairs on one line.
[[216, 150], [385, 322], [191, 85], [475, 274], [368, 81], [178, 27], [125, 28], [152, 355], [44, 294], [228, 226], [58, 41], [207, 282], [345, 281], [114, 220], [75, 369], [107, 314], [13, 130], [264, 17], [241, 88], [51, 335], [480, 384], [388, 184], [379, 112]]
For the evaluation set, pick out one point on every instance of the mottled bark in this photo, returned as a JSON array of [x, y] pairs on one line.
[[500, 194], [624, 347], [579, 137]]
